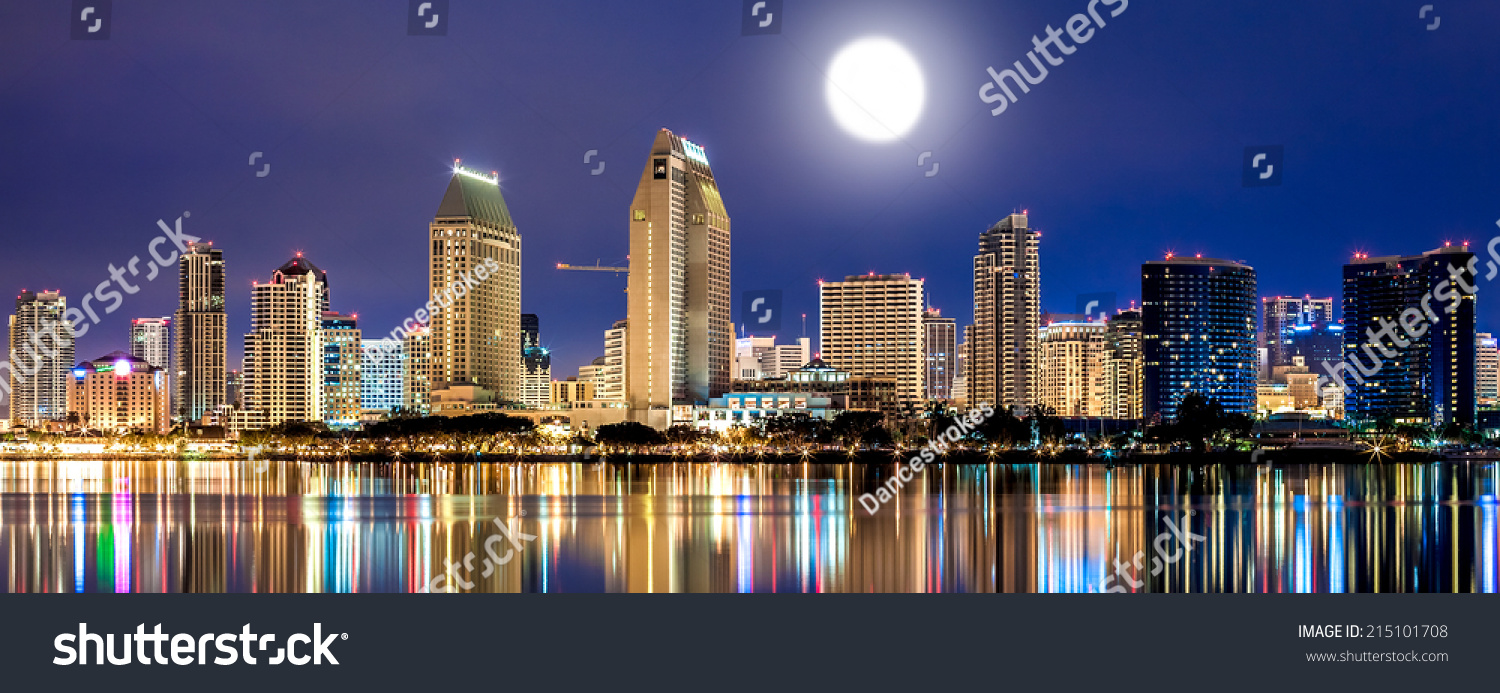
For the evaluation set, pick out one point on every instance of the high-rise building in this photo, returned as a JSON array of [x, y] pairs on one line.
[[475, 275], [1486, 370], [615, 363], [381, 375], [1124, 375], [1316, 344], [343, 366], [234, 388], [41, 358], [120, 393], [1198, 334], [1007, 315], [1070, 375], [593, 372], [681, 341], [536, 362], [871, 326], [416, 371], [284, 372], [151, 340], [202, 334], [939, 344], [961, 361], [1282, 315], [1400, 362]]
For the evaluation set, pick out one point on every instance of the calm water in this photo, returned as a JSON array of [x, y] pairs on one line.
[[175, 526]]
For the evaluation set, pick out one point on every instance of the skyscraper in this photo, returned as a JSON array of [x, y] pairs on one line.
[[342, 370], [1198, 334], [1124, 376], [871, 326], [284, 348], [416, 371], [1421, 373], [1007, 315], [939, 344], [536, 362], [41, 358], [202, 334], [1285, 313], [151, 341], [475, 276], [381, 374], [1486, 370], [681, 340], [1070, 373]]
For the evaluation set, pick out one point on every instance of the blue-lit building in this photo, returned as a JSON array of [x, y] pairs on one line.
[[342, 381], [1198, 334], [380, 380], [1406, 356], [1317, 344]]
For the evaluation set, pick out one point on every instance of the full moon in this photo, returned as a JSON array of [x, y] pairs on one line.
[[875, 89]]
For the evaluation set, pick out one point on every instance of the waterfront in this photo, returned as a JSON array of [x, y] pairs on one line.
[[285, 526]]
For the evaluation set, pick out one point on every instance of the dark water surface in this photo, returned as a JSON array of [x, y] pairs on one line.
[[176, 526]]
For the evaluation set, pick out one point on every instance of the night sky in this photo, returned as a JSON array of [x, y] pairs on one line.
[[1131, 148]]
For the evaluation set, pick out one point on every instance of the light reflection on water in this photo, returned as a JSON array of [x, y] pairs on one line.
[[175, 526]]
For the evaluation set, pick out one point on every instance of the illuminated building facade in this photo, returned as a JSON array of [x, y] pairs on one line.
[[381, 375], [1198, 334], [939, 344], [342, 370], [284, 372], [871, 326], [199, 371], [1071, 369], [681, 344], [475, 276], [41, 353], [1007, 315], [120, 393], [1424, 375], [1486, 370]]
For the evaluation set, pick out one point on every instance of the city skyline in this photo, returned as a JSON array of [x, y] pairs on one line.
[[1135, 158]]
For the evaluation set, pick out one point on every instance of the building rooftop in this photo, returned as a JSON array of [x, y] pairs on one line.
[[477, 196]]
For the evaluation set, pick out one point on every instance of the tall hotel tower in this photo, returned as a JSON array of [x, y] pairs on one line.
[[1424, 374], [681, 343], [284, 348], [1198, 334], [202, 339], [1002, 368], [871, 326], [41, 358], [475, 276]]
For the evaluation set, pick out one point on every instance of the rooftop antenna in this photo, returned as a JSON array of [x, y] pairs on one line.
[[804, 324]]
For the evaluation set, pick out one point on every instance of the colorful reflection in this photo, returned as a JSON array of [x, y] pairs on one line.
[[181, 526]]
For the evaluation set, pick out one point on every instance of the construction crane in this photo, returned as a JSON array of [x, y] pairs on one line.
[[597, 267]]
